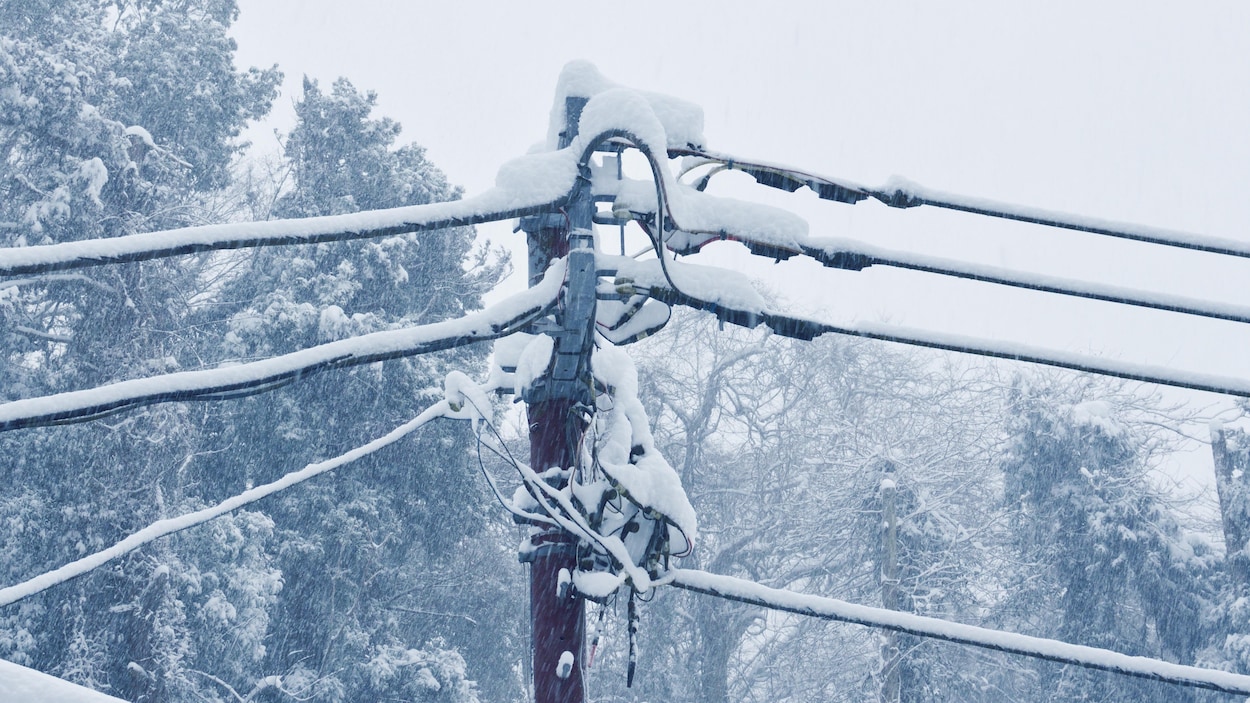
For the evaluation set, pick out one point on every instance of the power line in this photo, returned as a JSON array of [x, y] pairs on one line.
[[743, 591], [169, 526], [491, 206], [856, 256], [805, 329], [859, 258], [902, 194], [500, 320]]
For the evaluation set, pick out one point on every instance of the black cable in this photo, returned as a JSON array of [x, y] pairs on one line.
[[507, 505], [253, 386], [800, 328], [903, 199], [857, 261], [791, 179], [756, 598], [52, 263]]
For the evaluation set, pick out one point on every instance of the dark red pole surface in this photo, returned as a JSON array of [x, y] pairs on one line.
[[558, 623]]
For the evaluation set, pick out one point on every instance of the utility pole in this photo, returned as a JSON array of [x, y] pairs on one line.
[[890, 687], [557, 614], [1231, 452]]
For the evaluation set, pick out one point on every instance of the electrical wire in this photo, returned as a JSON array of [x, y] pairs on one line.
[[169, 526], [848, 258], [506, 504], [147, 246], [83, 406], [804, 329], [911, 196], [743, 591]]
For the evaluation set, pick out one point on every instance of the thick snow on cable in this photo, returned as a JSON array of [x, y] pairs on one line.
[[648, 480], [698, 215], [19, 684], [526, 185], [833, 245], [483, 325], [1054, 650], [905, 189], [721, 286], [168, 526]]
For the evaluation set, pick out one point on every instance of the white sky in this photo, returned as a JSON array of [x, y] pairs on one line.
[[1135, 111]]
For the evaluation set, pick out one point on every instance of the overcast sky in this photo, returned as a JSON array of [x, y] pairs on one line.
[[1136, 111]]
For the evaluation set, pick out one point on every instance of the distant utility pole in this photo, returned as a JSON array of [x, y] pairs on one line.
[[557, 614], [890, 687]]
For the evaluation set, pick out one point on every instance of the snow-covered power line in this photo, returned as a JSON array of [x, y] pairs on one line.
[[169, 526], [499, 320], [19, 684], [901, 193], [528, 185], [692, 226], [753, 593], [857, 256], [730, 300]]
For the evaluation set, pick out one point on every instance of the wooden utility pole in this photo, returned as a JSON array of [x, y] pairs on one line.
[[557, 615], [890, 687], [1231, 452]]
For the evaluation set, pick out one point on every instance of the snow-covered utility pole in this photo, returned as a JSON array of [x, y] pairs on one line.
[[554, 402], [890, 690]]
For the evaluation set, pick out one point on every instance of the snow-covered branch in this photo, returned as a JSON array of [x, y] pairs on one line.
[[1037, 647], [499, 320], [161, 528]]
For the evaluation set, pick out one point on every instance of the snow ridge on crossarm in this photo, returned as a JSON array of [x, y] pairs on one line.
[[1037, 647], [501, 319]]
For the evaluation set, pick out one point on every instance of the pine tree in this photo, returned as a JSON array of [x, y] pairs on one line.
[[116, 118], [1112, 568], [362, 552]]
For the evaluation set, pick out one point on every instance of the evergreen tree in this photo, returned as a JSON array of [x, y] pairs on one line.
[[1112, 568], [114, 118], [365, 552]]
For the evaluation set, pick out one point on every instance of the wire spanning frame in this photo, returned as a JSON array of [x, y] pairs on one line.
[[806, 329], [742, 591], [275, 372], [169, 526], [904, 195], [491, 206]]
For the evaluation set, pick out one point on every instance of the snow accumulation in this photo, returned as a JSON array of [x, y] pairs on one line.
[[533, 361], [681, 121], [699, 216], [19, 684], [907, 189], [466, 400], [1098, 414], [721, 286], [499, 319], [648, 479], [530, 184], [168, 526], [1053, 650]]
